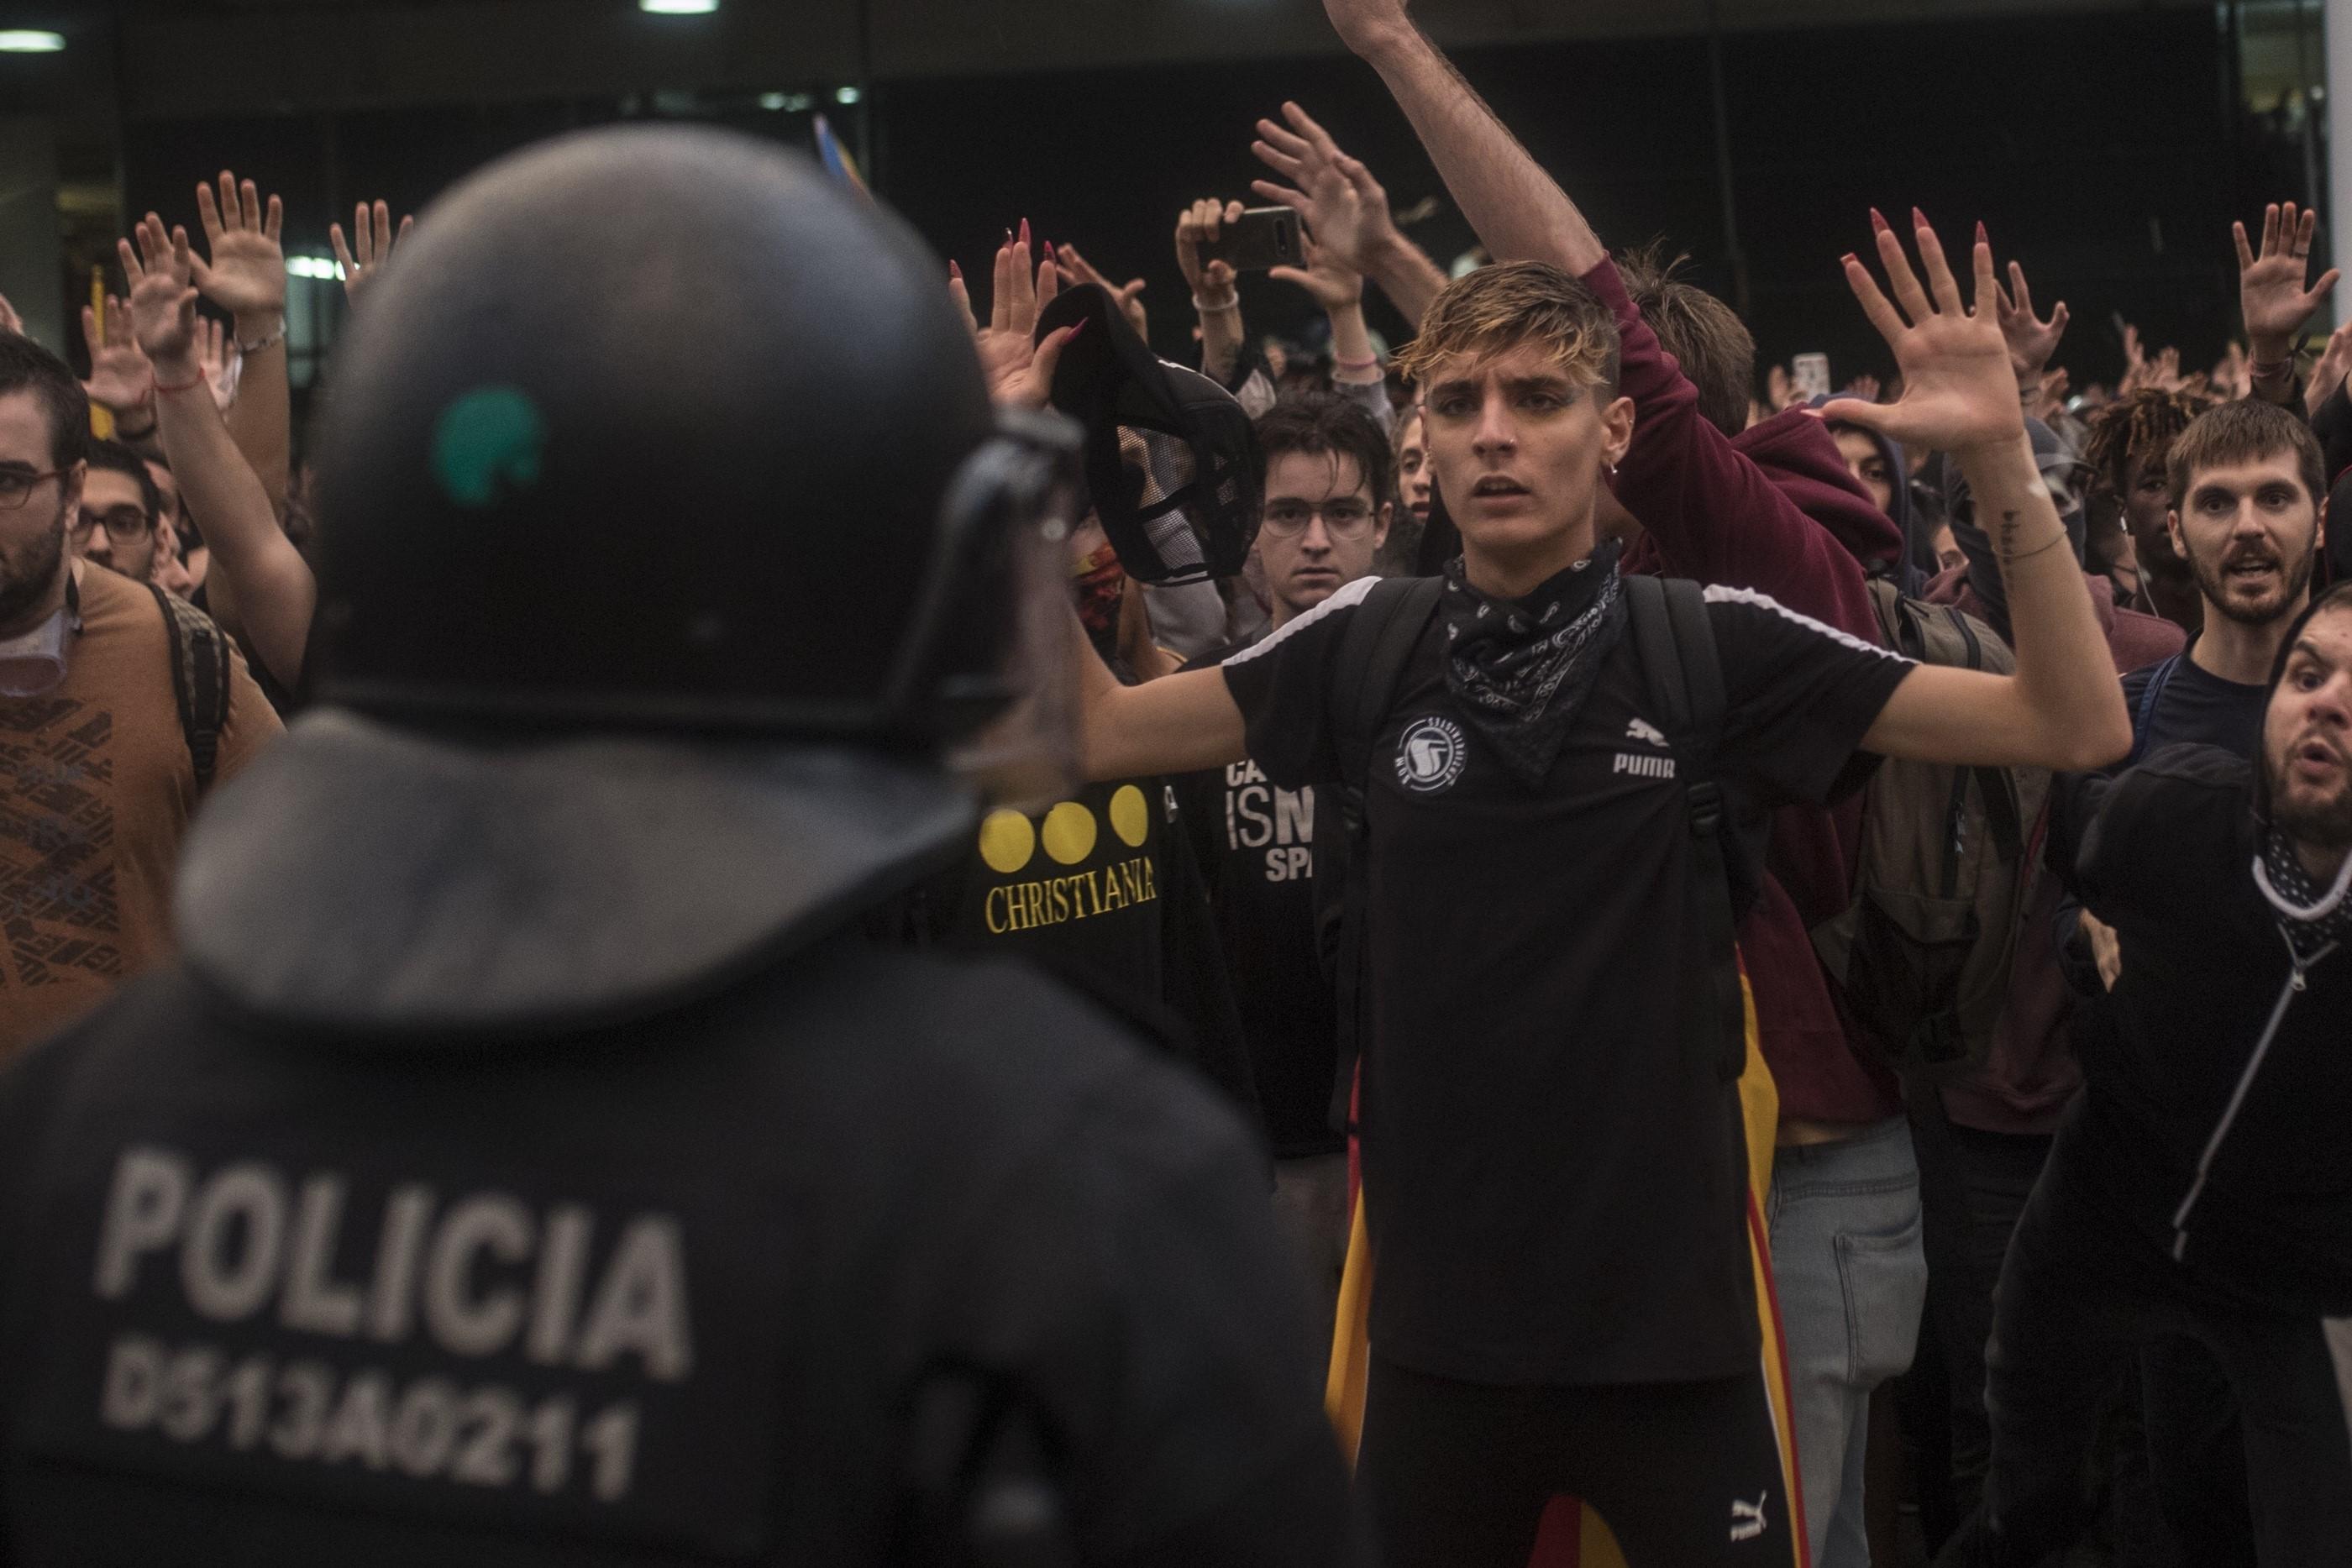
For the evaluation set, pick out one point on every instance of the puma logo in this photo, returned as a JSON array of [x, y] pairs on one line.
[[1643, 729], [1748, 1518]]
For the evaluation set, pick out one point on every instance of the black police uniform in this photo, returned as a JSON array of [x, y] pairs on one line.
[[659, 1293], [524, 1162]]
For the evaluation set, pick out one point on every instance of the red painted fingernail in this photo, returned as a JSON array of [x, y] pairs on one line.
[[1024, 231], [954, 271], [1008, 236], [1074, 331], [1918, 218], [1879, 220], [1848, 259], [1982, 238]]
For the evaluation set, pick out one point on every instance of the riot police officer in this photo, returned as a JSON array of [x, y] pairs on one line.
[[526, 1161]]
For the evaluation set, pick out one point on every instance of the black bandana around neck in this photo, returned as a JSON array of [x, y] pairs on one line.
[[1522, 667], [2285, 873]]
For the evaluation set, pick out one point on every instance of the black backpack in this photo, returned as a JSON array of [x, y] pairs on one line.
[[1676, 643], [200, 680]]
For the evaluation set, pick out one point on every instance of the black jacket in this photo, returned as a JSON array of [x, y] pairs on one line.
[[733, 1278], [2164, 853]]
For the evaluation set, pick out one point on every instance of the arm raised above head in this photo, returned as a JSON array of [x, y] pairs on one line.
[[1519, 212], [2061, 708]]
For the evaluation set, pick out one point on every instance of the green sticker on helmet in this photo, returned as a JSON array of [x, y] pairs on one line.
[[489, 440]]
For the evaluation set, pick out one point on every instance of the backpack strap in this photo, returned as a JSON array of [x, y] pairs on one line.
[[2149, 696], [1378, 643], [1685, 677], [200, 680], [1373, 652]]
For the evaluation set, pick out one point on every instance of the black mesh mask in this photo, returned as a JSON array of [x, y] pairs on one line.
[[1171, 457]]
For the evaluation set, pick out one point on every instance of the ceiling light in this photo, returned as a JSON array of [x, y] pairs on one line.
[[847, 96], [315, 266], [677, 7], [30, 41], [772, 100]]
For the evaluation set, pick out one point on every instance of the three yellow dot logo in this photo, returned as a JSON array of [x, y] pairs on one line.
[[1008, 840]]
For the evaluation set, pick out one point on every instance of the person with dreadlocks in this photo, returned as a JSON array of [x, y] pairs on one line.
[[2130, 439]]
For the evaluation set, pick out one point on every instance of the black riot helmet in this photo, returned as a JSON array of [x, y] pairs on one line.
[[659, 428], [677, 580]]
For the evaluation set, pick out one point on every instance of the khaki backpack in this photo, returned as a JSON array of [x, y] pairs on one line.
[[1949, 860]]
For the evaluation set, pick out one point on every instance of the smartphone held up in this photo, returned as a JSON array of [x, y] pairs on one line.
[[1261, 237]]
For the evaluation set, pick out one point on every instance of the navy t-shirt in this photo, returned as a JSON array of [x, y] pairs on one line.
[[2194, 706]]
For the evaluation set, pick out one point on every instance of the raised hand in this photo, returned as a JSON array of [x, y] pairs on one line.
[[1126, 296], [2270, 286], [244, 270], [2048, 394], [1959, 389], [2031, 341], [1335, 284], [10, 320], [2329, 375], [1345, 208], [2135, 368], [219, 358], [2233, 374], [1020, 370], [372, 246], [120, 375], [1213, 283], [163, 301]]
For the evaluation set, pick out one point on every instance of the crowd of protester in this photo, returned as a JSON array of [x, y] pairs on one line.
[[1928, 1095]]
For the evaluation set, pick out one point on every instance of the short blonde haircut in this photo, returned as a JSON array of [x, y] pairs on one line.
[[1497, 308]]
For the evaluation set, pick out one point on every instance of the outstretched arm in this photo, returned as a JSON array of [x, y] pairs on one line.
[[2062, 708], [274, 585], [1177, 724], [1519, 212]]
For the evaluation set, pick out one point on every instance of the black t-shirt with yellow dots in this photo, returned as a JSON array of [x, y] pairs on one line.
[[1102, 891], [1078, 883]]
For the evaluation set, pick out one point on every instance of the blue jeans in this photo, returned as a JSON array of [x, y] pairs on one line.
[[1852, 1278]]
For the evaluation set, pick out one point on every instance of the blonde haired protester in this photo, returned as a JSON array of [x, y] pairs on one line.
[[1555, 1180]]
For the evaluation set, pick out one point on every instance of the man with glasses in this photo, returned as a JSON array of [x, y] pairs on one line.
[[120, 507], [98, 778], [1327, 482]]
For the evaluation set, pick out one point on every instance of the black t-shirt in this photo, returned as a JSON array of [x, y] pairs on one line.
[[1081, 884], [2196, 706], [1555, 1180], [2166, 857], [668, 1291], [1101, 892], [1255, 841]]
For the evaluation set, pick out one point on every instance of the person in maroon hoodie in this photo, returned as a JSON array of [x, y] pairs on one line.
[[1771, 508]]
